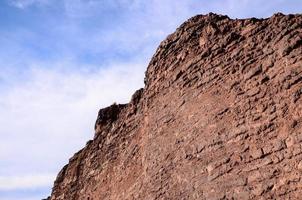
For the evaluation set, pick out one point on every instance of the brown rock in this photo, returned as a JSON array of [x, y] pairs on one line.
[[300, 165], [214, 120], [256, 153]]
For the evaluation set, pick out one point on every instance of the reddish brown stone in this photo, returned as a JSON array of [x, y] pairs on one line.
[[219, 118]]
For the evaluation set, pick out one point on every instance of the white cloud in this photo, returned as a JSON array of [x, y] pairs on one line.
[[25, 3], [51, 114], [29, 197], [26, 182]]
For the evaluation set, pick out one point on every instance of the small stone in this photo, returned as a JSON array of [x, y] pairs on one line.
[[267, 161], [254, 176], [210, 168], [256, 153], [258, 190], [290, 141], [300, 165], [278, 145], [202, 41]]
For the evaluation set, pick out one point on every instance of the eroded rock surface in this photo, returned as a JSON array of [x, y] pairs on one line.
[[220, 117]]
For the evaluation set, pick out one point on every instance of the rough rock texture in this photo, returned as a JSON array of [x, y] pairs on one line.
[[220, 117]]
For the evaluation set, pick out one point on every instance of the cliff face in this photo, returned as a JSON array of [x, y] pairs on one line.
[[220, 117]]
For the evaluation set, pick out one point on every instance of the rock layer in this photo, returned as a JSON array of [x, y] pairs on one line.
[[220, 117]]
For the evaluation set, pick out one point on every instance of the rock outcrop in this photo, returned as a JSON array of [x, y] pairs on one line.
[[220, 117]]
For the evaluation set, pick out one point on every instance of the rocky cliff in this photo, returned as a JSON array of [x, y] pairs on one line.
[[220, 117]]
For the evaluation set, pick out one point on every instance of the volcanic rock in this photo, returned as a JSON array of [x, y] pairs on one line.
[[220, 117]]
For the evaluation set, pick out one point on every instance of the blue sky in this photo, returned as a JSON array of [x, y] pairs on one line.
[[62, 60]]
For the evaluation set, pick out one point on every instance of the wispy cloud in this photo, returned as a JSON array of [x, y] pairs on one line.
[[25, 182], [50, 115], [53, 106], [25, 3]]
